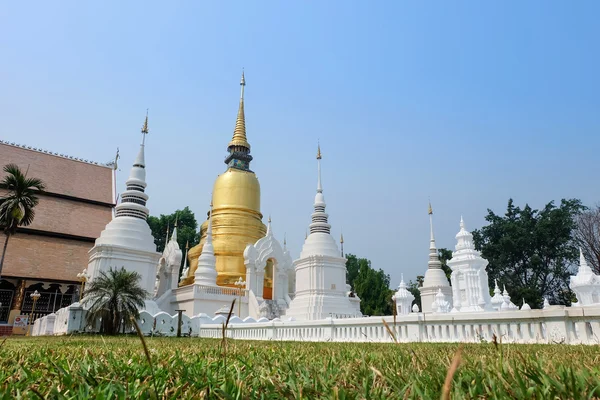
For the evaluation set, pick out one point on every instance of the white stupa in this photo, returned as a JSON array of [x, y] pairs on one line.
[[206, 273], [585, 284], [435, 277], [127, 240], [470, 288], [320, 270], [403, 299]]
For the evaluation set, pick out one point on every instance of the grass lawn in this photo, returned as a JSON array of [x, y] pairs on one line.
[[105, 367]]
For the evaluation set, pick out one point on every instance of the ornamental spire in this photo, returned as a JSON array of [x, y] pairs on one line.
[[239, 133], [319, 186], [133, 199], [319, 216], [434, 261]]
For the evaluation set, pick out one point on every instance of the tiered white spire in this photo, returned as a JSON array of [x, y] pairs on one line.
[[206, 273], [435, 277], [434, 261], [497, 299], [133, 199], [319, 216]]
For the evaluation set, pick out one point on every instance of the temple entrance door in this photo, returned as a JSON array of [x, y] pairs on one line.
[[268, 282]]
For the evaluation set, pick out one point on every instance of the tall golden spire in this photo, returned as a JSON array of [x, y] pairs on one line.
[[239, 133]]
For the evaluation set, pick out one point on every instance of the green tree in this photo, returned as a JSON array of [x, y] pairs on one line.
[[530, 251], [17, 207], [413, 287], [115, 296], [445, 255], [372, 286], [187, 229]]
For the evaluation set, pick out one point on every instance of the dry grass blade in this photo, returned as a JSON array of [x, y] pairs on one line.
[[450, 373], [392, 334], [2, 344], [226, 324], [146, 351]]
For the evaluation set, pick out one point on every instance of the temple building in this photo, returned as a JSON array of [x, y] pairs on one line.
[[236, 216], [48, 254]]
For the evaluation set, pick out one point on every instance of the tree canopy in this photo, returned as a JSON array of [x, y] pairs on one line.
[[588, 236], [115, 296], [372, 286], [530, 251], [187, 229]]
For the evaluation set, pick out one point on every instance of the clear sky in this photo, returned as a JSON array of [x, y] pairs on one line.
[[466, 103]]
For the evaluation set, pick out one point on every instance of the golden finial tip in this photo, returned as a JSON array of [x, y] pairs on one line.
[[342, 238], [318, 151], [145, 126], [430, 211], [243, 80]]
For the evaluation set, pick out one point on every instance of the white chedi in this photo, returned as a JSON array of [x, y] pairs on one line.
[[525, 306], [206, 273], [127, 241], [585, 284], [321, 270], [403, 299], [507, 305], [497, 299], [435, 278], [470, 288]]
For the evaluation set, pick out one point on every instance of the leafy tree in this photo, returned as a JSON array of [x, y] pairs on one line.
[[115, 296], [445, 255], [372, 286], [588, 236], [530, 251], [17, 206], [186, 229], [413, 287]]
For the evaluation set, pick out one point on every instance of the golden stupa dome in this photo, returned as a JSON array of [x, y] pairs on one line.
[[236, 188]]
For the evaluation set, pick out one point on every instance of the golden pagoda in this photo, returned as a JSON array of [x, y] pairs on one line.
[[236, 217]]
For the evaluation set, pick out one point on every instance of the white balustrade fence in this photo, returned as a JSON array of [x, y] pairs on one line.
[[556, 324]]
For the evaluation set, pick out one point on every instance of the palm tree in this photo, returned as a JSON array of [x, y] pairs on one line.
[[17, 206], [115, 296]]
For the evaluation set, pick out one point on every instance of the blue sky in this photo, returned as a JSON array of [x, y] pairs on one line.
[[467, 103]]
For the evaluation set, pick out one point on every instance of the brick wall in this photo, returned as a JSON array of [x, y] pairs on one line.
[[44, 258], [62, 175]]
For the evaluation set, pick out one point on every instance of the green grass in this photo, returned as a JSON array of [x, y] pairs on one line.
[[102, 368]]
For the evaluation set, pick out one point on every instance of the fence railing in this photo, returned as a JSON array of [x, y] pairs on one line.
[[574, 325]]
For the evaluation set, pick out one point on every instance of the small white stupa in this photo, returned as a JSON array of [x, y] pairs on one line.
[[127, 240], [470, 288], [403, 298], [507, 304], [497, 299], [585, 284], [320, 270], [435, 277], [206, 273]]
